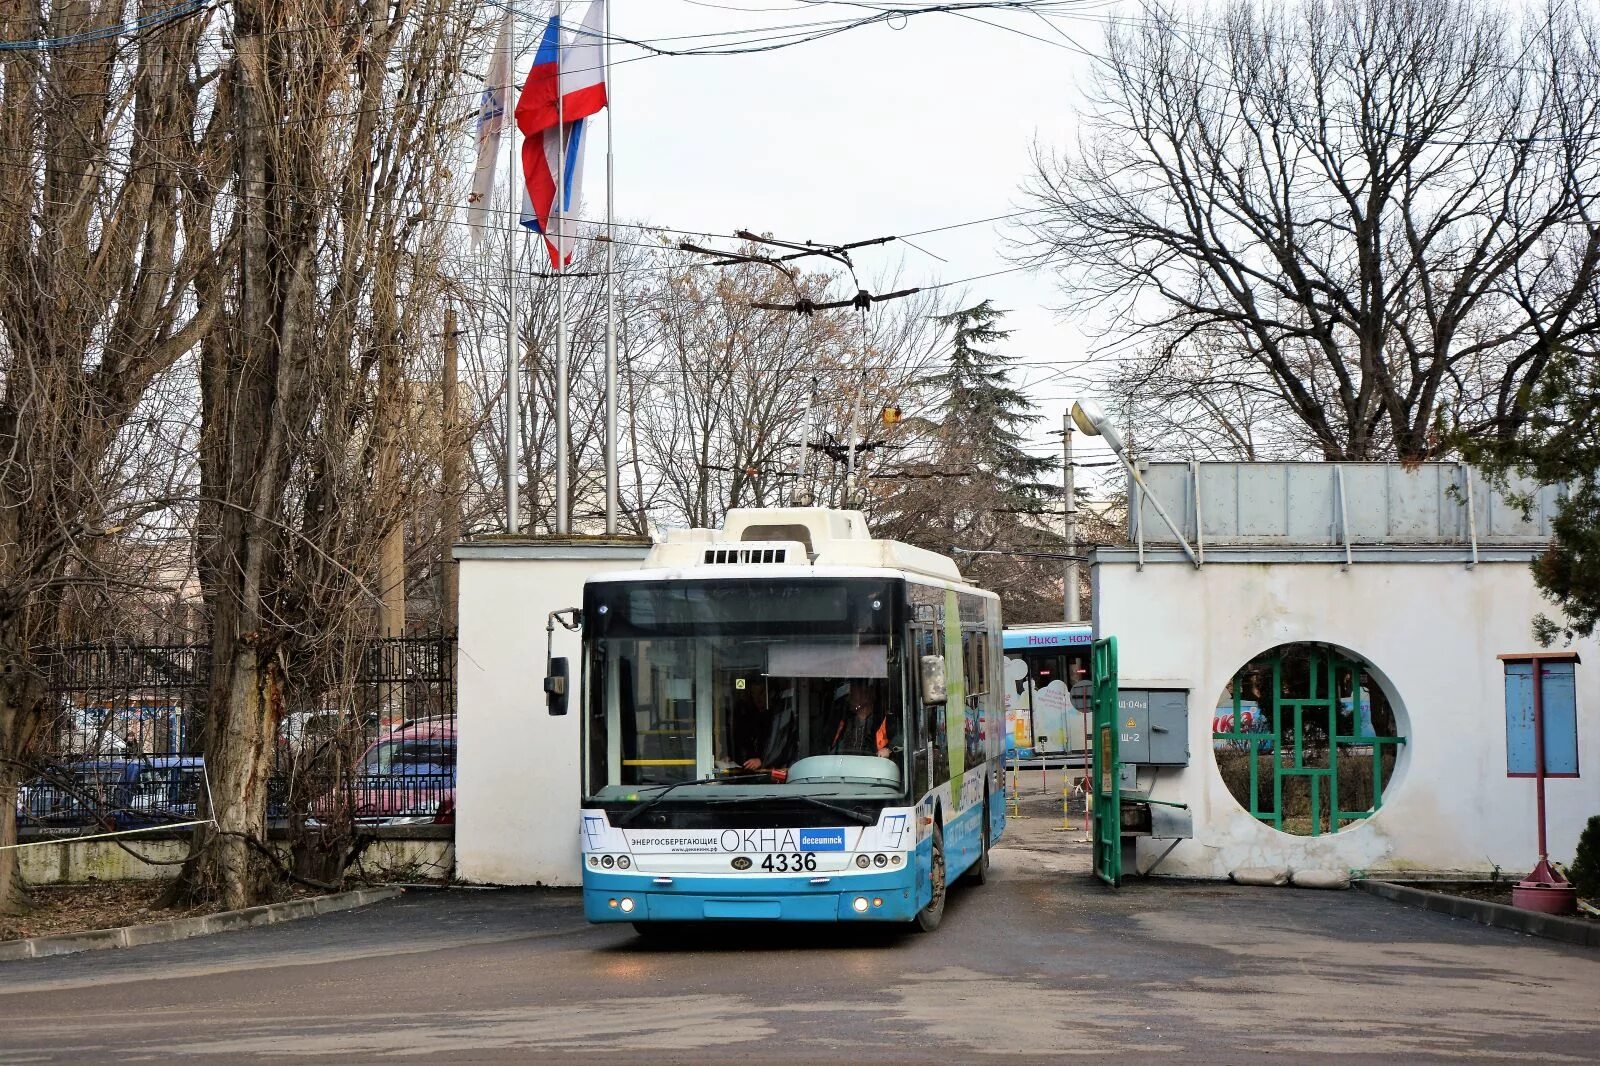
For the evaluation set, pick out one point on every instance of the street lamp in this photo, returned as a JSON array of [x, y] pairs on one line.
[[1093, 420]]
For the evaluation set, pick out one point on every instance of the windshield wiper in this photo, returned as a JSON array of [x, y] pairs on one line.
[[854, 816], [634, 812]]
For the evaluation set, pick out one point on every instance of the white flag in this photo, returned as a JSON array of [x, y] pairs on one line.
[[491, 120]]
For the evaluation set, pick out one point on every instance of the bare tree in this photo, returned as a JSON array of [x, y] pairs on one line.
[[728, 387], [1378, 216], [105, 216], [1202, 401], [341, 121], [723, 388]]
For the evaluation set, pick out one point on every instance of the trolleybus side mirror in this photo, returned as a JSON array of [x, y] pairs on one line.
[[933, 687], [555, 682], [555, 686]]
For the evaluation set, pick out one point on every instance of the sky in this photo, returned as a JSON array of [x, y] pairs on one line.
[[872, 132]]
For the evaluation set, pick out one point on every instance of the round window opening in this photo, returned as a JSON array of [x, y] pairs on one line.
[[1306, 740]]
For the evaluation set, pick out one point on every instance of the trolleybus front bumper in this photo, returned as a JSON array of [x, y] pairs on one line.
[[888, 896]]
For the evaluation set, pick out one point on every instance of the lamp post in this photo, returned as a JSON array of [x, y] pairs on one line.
[[1069, 520], [1093, 420]]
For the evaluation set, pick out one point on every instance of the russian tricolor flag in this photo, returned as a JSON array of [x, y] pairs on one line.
[[566, 86]]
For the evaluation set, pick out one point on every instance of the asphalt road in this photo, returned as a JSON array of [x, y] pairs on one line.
[[1039, 965]]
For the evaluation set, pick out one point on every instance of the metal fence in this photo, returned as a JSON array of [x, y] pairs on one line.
[[124, 747]]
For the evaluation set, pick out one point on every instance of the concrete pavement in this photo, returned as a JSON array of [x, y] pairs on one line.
[[1040, 964]]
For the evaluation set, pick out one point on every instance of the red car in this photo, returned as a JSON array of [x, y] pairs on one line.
[[408, 776]]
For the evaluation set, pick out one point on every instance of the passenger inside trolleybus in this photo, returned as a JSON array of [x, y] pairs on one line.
[[866, 728], [762, 736]]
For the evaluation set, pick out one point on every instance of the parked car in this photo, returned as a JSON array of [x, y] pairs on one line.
[[301, 730], [125, 793], [406, 777]]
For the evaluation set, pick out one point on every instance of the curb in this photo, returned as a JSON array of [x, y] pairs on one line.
[[128, 936], [1571, 930]]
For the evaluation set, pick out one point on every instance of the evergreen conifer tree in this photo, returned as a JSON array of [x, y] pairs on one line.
[[984, 415], [1585, 871], [975, 485], [1560, 442]]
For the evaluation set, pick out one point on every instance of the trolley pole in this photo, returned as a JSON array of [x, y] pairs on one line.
[[1069, 519]]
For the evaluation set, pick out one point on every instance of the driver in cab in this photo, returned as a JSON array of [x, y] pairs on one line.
[[864, 730]]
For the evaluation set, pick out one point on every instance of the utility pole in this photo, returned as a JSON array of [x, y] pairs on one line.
[[450, 475], [392, 550], [855, 432], [802, 498], [1069, 519]]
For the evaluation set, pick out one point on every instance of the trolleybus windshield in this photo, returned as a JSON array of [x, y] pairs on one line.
[[743, 688]]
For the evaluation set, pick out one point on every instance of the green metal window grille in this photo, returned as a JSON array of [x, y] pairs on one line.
[[1295, 721]]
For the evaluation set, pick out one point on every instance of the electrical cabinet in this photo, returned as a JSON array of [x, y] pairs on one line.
[[1133, 726], [1153, 727]]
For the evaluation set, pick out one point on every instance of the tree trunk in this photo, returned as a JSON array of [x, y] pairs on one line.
[[20, 697], [14, 897], [227, 865]]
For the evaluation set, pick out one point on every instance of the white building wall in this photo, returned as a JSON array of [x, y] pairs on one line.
[[1431, 632], [517, 785]]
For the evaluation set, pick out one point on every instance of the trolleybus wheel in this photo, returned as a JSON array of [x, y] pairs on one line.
[[929, 917]]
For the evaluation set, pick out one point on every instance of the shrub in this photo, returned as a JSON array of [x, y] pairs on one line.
[[1585, 871]]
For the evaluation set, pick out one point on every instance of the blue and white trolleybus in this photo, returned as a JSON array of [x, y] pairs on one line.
[[1042, 665], [786, 719]]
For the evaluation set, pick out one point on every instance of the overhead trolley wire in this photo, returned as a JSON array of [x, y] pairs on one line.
[[106, 33]]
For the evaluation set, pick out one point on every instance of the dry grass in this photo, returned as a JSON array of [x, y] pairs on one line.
[[101, 905]]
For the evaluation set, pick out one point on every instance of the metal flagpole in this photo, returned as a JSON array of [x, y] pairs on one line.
[[513, 327], [611, 303], [563, 511]]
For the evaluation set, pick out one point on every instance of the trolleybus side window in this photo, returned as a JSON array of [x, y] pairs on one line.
[[926, 724], [935, 729], [972, 642]]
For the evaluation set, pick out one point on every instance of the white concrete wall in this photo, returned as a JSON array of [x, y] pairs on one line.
[[1431, 632], [517, 786]]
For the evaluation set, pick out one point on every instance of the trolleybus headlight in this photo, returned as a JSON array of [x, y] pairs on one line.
[[611, 903], [623, 862], [863, 861], [594, 860], [877, 901], [860, 904], [895, 859], [607, 861], [880, 860], [627, 905]]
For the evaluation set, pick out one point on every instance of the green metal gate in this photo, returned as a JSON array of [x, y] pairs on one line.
[[1107, 766], [1301, 738]]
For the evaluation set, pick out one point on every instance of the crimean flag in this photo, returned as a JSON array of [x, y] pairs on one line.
[[497, 89], [565, 87]]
